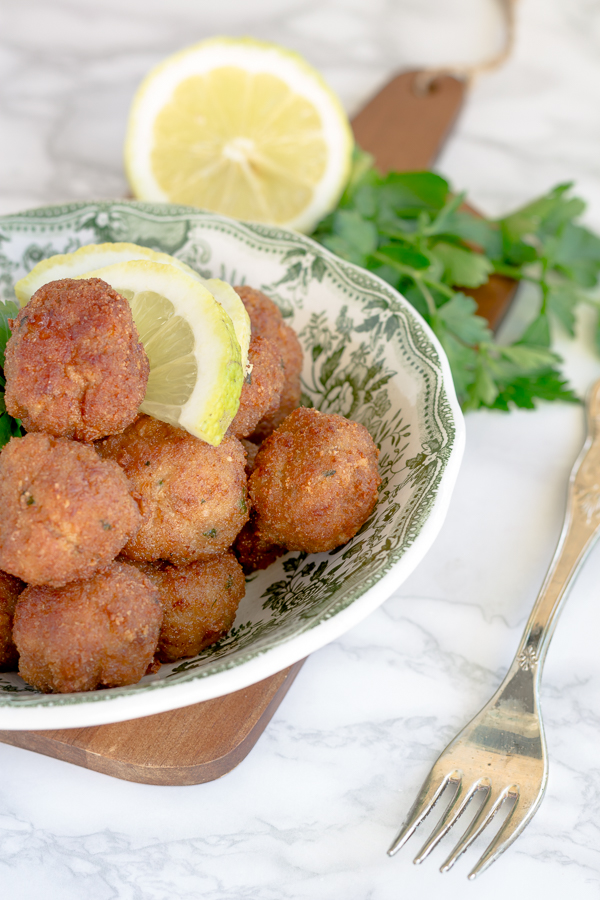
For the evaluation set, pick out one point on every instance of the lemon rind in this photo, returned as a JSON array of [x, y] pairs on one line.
[[235, 309], [90, 256]]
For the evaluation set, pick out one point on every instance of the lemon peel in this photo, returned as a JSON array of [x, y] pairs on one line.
[[91, 256]]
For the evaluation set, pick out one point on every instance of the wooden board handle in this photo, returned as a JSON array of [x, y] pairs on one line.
[[405, 126]]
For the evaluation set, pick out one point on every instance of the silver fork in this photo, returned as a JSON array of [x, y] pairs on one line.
[[500, 757]]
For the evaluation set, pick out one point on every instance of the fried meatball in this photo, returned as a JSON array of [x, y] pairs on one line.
[[253, 549], [315, 481], [10, 588], [193, 496], [65, 512], [101, 632], [199, 601], [267, 321], [261, 391], [75, 367]]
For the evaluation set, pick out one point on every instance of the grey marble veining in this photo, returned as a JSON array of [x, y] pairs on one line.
[[311, 811]]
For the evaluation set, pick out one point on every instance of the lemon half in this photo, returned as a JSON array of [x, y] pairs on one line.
[[196, 372], [242, 127], [95, 256]]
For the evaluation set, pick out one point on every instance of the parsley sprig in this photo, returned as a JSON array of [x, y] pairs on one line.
[[412, 230], [9, 427]]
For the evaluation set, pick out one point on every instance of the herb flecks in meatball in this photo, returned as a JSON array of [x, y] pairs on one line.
[[65, 512], [101, 632], [199, 602], [261, 391], [193, 496], [254, 549], [266, 321], [75, 367], [314, 482]]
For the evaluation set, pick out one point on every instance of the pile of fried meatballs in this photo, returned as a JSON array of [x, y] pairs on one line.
[[124, 541]]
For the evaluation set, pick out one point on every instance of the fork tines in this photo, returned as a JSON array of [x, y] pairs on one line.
[[458, 800]]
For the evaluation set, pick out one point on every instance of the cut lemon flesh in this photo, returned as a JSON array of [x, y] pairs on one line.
[[95, 256], [196, 373], [92, 256], [241, 127]]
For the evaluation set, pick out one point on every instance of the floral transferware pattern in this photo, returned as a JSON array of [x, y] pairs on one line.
[[368, 356]]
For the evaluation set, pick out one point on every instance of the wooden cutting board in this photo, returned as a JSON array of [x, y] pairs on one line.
[[186, 746], [404, 127]]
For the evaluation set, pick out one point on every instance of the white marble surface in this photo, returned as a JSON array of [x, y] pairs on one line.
[[311, 811]]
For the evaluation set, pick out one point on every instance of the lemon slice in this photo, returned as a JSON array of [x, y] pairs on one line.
[[242, 127], [235, 309], [95, 256], [195, 362], [92, 256]]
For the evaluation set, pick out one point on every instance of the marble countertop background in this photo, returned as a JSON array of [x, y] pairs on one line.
[[311, 811]]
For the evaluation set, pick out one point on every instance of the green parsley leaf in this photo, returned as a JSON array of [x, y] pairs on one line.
[[9, 427], [562, 301], [459, 317], [522, 392], [412, 229], [414, 190], [553, 209], [462, 361], [528, 358], [358, 232], [405, 256], [5, 429], [463, 267], [538, 332], [577, 255], [476, 231], [8, 310]]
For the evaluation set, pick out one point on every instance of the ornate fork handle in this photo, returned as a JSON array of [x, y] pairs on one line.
[[580, 531]]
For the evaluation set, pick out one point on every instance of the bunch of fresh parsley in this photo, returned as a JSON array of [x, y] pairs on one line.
[[412, 230]]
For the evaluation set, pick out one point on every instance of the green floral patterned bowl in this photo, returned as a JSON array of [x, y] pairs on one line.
[[368, 355]]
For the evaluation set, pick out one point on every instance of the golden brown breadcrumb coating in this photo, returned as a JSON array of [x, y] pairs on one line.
[[65, 512], [261, 391], [253, 549], [266, 321], [315, 481], [193, 496], [10, 588], [251, 451], [74, 365], [199, 601], [101, 632]]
